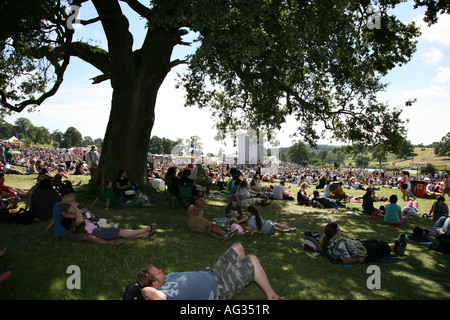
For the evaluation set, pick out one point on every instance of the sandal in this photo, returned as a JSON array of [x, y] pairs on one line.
[[118, 244], [152, 229]]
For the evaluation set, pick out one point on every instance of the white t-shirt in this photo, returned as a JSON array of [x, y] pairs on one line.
[[67, 156], [326, 191], [278, 192]]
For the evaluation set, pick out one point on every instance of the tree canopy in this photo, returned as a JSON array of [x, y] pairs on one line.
[[442, 148], [298, 153], [257, 62]]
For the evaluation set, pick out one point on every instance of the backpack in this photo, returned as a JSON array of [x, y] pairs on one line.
[[441, 244], [22, 217], [312, 241], [132, 292]]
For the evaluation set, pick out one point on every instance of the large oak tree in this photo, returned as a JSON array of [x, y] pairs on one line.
[[256, 62]]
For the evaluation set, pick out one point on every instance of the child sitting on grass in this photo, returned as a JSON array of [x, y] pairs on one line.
[[256, 222], [233, 211], [107, 194]]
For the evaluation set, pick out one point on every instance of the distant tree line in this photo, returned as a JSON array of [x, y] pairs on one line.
[[442, 148], [302, 154], [30, 134]]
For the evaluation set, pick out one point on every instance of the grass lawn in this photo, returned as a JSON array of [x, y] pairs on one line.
[[39, 261]]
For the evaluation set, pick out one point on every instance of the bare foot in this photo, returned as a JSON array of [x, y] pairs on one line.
[[277, 297]]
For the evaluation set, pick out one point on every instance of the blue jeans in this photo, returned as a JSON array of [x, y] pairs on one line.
[[336, 203], [444, 224]]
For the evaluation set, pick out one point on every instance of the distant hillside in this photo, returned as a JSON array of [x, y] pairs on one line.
[[423, 154], [426, 155]]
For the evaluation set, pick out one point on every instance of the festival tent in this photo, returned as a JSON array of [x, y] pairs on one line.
[[13, 141]]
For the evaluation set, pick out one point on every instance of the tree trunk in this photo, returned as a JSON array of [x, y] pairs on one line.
[[132, 116]]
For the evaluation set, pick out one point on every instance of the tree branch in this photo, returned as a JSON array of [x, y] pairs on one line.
[[54, 57], [138, 7], [177, 62], [95, 56], [116, 27], [101, 78], [90, 21]]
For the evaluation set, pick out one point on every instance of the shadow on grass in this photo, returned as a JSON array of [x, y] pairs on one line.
[[293, 272]]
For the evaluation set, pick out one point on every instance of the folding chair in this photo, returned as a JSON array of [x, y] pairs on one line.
[[185, 194]]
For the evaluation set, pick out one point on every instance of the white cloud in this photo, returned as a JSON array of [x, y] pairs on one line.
[[437, 33], [426, 123], [443, 75], [425, 93], [433, 56]]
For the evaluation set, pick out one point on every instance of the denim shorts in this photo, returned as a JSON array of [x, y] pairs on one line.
[[106, 233]]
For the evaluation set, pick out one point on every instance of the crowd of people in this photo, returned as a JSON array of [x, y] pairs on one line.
[[53, 199], [31, 160]]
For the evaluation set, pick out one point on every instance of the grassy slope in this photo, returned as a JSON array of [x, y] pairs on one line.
[[423, 155], [39, 261]]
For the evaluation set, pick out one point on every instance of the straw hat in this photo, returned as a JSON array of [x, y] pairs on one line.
[[68, 200]]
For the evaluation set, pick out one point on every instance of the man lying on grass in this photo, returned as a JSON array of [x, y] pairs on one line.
[[232, 272]]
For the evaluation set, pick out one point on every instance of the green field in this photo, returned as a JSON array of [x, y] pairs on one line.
[[39, 261]]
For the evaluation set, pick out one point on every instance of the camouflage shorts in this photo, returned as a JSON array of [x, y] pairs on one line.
[[232, 274]]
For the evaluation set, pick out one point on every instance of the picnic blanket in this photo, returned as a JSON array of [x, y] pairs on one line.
[[410, 237], [385, 259]]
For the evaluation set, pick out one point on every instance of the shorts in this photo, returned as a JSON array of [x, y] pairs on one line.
[[232, 274], [397, 224], [200, 224], [106, 233], [77, 237], [376, 249]]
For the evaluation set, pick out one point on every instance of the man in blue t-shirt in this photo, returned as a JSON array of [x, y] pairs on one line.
[[230, 274], [62, 220]]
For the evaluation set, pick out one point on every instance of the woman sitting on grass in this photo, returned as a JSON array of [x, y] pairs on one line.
[[353, 251], [368, 204], [439, 208], [256, 222], [196, 221], [394, 215], [302, 196], [245, 197]]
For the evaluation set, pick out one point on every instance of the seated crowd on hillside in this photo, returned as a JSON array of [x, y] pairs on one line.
[[52, 198], [31, 160], [253, 185]]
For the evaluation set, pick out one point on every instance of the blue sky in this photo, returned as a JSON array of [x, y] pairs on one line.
[[86, 107]]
